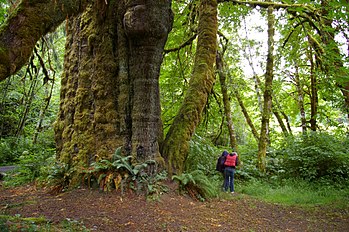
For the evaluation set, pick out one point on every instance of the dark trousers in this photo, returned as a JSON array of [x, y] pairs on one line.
[[229, 178]]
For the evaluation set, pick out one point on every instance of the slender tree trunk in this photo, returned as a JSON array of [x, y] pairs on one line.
[[226, 101], [47, 100], [286, 130], [267, 106], [300, 99], [28, 98], [176, 145], [247, 116], [281, 122], [286, 118], [313, 94], [257, 82]]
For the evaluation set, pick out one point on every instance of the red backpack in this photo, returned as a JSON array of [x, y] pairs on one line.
[[230, 161]]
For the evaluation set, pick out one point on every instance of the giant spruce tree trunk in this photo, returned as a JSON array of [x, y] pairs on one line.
[[176, 145], [110, 88], [147, 27]]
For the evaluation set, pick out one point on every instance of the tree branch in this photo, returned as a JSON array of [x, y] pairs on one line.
[[264, 4], [26, 25], [186, 43]]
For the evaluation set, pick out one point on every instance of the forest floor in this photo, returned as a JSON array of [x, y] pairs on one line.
[[100, 211]]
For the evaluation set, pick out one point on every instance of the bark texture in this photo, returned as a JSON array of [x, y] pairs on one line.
[[87, 128], [176, 145], [110, 87], [147, 26]]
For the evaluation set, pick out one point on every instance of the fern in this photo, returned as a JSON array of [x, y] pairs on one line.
[[119, 171], [196, 184]]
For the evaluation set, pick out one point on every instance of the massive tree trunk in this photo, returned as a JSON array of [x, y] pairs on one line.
[[263, 140], [146, 27], [110, 89], [87, 127], [176, 145]]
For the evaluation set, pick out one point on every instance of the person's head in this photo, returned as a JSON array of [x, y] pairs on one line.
[[225, 153], [234, 153]]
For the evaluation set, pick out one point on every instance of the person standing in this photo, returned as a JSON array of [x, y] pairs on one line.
[[229, 170], [220, 165], [221, 161]]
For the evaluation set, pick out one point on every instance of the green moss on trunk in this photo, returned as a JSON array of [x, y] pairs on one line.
[[87, 126], [176, 145]]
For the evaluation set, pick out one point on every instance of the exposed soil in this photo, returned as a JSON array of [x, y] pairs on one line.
[[99, 211]]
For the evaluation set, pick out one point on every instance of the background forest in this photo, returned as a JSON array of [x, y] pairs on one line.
[[289, 89]]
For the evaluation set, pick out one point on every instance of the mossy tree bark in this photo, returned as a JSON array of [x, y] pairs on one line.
[[87, 127], [268, 89], [333, 55], [176, 145], [110, 89]]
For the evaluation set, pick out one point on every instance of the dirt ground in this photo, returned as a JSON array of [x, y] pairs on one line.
[[100, 211]]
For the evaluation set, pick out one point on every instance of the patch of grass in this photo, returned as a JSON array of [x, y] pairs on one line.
[[297, 193]]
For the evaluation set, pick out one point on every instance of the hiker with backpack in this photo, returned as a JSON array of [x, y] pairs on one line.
[[221, 161], [230, 164]]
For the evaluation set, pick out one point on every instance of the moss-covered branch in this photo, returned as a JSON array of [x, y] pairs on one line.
[[176, 145], [27, 23]]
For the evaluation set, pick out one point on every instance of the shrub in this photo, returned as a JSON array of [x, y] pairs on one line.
[[316, 156]]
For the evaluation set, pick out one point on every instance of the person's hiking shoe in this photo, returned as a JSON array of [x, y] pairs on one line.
[[232, 192]]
